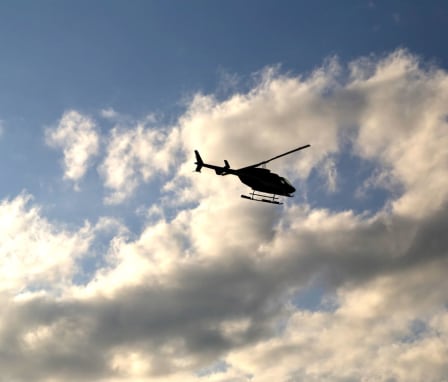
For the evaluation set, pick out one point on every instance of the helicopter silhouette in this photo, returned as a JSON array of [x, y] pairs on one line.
[[266, 186]]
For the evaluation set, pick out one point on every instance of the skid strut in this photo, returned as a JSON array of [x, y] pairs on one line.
[[265, 198]]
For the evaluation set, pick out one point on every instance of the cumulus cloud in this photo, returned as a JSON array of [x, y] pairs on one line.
[[134, 155], [35, 254], [234, 305], [76, 134], [214, 289]]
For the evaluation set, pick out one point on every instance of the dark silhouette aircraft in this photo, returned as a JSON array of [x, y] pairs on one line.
[[265, 184]]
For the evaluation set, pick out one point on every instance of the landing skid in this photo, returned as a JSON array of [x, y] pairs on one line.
[[265, 198]]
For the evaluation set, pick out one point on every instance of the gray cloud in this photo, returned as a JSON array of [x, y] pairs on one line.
[[191, 311]]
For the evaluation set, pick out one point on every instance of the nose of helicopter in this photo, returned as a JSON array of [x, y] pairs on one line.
[[287, 186]]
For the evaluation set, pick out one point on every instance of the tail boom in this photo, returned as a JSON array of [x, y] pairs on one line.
[[224, 170]]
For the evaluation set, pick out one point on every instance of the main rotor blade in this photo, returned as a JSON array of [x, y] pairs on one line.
[[276, 157]]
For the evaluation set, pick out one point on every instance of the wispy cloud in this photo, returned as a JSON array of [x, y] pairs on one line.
[[134, 155], [109, 113], [77, 136]]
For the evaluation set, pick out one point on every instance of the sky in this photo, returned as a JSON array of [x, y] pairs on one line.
[[119, 263]]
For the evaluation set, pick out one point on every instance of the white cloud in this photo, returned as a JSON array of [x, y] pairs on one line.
[[77, 136], [403, 128], [135, 155], [35, 254], [279, 114]]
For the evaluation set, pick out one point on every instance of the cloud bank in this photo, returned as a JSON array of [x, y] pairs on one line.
[[215, 288]]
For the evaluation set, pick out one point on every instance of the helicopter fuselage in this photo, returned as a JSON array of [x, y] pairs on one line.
[[263, 180]]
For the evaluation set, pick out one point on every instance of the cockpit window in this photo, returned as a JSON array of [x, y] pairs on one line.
[[286, 181]]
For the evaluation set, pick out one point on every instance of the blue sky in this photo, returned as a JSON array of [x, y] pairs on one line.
[[146, 56], [119, 263]]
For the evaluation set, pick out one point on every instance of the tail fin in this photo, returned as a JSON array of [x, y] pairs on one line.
[[199, 162]]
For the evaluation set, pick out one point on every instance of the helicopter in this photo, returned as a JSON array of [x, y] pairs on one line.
[[266, 186]]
